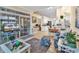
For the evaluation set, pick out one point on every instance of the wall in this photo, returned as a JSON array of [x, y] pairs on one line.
[[44, 22], [38, 19], [71, 12], [73, 21]]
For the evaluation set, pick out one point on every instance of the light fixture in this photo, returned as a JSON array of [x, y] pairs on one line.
[[50, 8]]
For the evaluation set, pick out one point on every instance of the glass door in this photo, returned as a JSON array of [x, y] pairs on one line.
[[8, 27], [25, 26]]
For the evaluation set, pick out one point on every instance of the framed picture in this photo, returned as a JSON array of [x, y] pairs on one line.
[[34, 19]]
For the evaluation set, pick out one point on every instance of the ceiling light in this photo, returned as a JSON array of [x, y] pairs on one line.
[[50, 8]]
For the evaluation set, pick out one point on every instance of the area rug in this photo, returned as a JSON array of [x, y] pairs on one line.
[[36, 47]]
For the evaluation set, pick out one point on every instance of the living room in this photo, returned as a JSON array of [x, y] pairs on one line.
[[39, 29]]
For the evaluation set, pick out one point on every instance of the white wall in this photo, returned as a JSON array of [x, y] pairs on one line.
[[71, 11], [44, 22], [73, 21]]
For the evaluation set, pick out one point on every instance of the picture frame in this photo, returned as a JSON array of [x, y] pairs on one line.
[[34, 19]]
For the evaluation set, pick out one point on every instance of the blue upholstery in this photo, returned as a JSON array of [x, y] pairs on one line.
[[56, 39], [45, 41]]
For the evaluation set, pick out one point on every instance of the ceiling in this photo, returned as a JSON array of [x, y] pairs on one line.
[[49, 11]]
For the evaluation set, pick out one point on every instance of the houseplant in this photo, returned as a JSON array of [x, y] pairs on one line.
[[71, 39]]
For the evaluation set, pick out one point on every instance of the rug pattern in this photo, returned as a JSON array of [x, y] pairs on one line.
[[36, 47]]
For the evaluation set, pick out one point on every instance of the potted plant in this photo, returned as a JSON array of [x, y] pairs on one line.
[[71, 39]]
